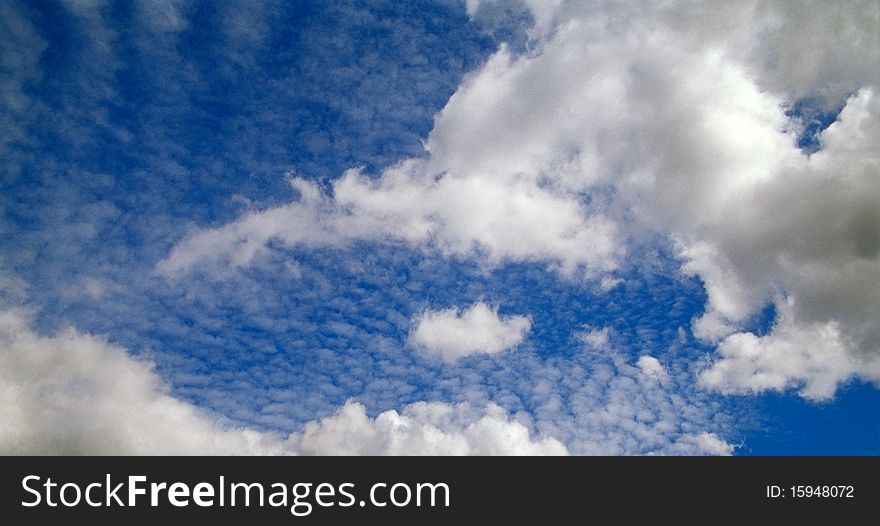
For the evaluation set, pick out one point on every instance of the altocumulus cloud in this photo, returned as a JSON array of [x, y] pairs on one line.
[[452, 334]]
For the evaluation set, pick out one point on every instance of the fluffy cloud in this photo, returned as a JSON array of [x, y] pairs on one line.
[[76, 394], [693, 134], [679, 113], [497, 218], [652, 369], [813, 356], [422, 428], [814, 48], [553, 157], [807, 239], [452, 334], [704, 444]]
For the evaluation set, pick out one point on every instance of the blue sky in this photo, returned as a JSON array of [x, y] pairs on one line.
[[315, 218]]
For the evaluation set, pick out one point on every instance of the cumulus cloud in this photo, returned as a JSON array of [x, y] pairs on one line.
[[422, 428], [76, 394], [807, 241], [554, 157], [708, 444], [652, 369], [452, 334], [543, 13], [690, 135], [462, 215], [817, 49], [812, 356]]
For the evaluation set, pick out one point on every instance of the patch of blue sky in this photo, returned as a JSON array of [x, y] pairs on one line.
[[784, 424], [815, 117]]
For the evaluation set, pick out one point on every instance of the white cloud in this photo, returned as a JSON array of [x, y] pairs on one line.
[[812, 356], [471, 6], [596, 338], [704, 444], [543, 13], [422, 429], [452, 334], [472, 214], [808, 241], [76, 394], [815, 48], [652, 369]]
